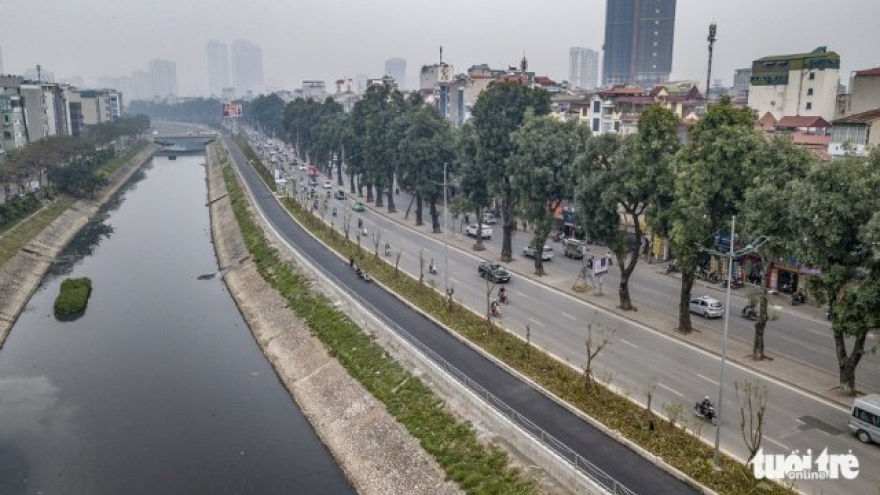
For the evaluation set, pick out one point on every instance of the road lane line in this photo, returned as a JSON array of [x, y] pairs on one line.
[[629, 343], [572, 318], [536, 322], [520, 294], [454, 280], [784, 447], [708, 379], [671, 390]]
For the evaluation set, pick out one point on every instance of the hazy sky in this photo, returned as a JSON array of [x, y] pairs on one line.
[[328, 39]]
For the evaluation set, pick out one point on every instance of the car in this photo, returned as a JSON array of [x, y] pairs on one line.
[[707, 307], [328, 184], [546, 254], [489, 218], [574, 249], [313, 181], [302, 168], [494, 272], [339, 194], [472, 231], [357, 206]]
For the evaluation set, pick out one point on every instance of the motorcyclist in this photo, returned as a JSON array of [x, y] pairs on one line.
[[432, 268], [387, 249], [502, 295], [705, 406], [496, 308], [334, 211]]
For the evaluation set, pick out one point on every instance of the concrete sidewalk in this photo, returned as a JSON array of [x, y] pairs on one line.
[[795, 373]]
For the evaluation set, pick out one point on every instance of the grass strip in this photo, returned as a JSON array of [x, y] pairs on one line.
[[18, 236], [477, 468], [111, 166], [669, 438]]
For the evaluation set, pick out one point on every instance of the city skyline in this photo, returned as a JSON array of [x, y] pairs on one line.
[[315, 42], [218, 66]]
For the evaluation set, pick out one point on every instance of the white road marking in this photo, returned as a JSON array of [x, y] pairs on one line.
[[536, 322], [454, 280], [707, 379], [572, 318], [784, 447], [520, 294], [671, 390], [629, 343]]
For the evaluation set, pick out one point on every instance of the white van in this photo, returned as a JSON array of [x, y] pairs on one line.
[[864, 420], [489, 218]]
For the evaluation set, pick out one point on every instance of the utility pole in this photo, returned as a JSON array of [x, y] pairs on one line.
[[711, 39]]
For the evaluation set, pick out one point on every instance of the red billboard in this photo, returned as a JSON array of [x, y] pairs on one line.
[[231, 110]]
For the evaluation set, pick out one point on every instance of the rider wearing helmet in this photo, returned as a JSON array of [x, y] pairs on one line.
[[705, 405]]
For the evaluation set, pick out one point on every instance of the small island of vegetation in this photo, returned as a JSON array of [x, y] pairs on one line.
[[74, 296]]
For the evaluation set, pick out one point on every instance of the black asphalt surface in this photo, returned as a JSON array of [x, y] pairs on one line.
[[625, 466]]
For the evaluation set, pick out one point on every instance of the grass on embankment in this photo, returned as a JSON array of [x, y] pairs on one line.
[[668, 439], [73, 296], [19, 235], [477, 468]]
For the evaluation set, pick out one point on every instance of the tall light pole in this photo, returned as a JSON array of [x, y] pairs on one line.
[[717, 456], [445, 235]]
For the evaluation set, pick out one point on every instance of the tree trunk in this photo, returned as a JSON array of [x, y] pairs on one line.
[[339, 174], [435, 215], [684, 313], [538, 242], [412, 200], [478, 246], [351, 182], [369, 193], [391, 207], [760, 326], [848, 363], [419, 220], [507, 221], [379, 188], [626, 269]]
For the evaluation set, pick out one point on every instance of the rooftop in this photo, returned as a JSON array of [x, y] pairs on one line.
[[869, 72], [793, 122], [859, 118]]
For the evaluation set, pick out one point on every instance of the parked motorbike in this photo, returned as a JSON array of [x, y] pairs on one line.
[[672, 266], [798, 298], [736, 283], [707, 415], [750, 313]]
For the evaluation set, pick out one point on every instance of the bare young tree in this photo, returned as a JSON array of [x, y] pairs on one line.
[[421, 266], [346, 224], [673, 411], [595, 344], [490, 287], [377, 238], [397, 255], [752, 399]]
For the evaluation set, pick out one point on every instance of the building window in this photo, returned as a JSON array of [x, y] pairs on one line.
[[812, 76], [809, 105], [809, 91], [595, 125]]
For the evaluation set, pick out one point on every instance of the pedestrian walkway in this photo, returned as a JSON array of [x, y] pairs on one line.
[[793, 372]]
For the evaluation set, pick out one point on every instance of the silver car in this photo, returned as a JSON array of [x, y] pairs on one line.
[[707, 307], [546, 253]]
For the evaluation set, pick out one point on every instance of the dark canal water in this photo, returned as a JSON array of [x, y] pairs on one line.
[[159, 387]]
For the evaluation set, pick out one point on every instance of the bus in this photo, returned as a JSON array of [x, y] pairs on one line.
[[865, 418]]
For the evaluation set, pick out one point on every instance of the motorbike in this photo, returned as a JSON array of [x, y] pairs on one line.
[[736, 283], [387, 250], [363, 274], [495, 308], [707, 415], [503, 297], [672, 266], [798, 298], [749, 313], [432, 269]]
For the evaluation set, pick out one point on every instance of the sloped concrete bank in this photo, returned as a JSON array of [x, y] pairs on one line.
[[376, 453], [21, 275]]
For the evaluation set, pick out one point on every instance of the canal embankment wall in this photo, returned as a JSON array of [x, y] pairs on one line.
[[21, 275], [376, 452]]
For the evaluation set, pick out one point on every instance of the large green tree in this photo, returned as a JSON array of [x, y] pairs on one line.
[[542, 172], [834, 210], [373, 117], [473, 194], [499, 111], [765, 215], [620, 180], [711, 172]]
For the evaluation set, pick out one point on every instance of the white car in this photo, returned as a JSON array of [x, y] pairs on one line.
[[489, 218], [302, 168], [328, 184], [486, 231], [546, 253], [707, 307]]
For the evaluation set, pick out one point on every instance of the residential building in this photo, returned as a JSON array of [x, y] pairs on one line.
[[618, 109], [163, 76], [39, 73], [855, 134], [360, 83], [12, 121], [864, 91], [314, 90], [396, 68], [741, 80], [218, 67], [247, 66], [141, 86], [431, 75], [796, 84], [345, 94], [639, 36], [122, 84], [583, 68]]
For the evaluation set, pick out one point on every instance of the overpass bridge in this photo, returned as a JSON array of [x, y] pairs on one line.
[[183, 144]]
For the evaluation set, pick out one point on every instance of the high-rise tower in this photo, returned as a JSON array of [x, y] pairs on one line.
[[247, 66], [583, 68], [218, 67], [639, 35], [396, 68]]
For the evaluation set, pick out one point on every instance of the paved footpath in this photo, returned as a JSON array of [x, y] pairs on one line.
[[800, 375]]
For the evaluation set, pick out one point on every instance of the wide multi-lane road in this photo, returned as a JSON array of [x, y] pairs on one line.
[[641, 358]]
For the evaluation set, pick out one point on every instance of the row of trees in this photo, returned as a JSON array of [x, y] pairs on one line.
[[68, 164], [685, 187]]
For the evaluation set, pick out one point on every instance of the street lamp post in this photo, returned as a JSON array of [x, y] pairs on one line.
[[717, 455], [445, 235]]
